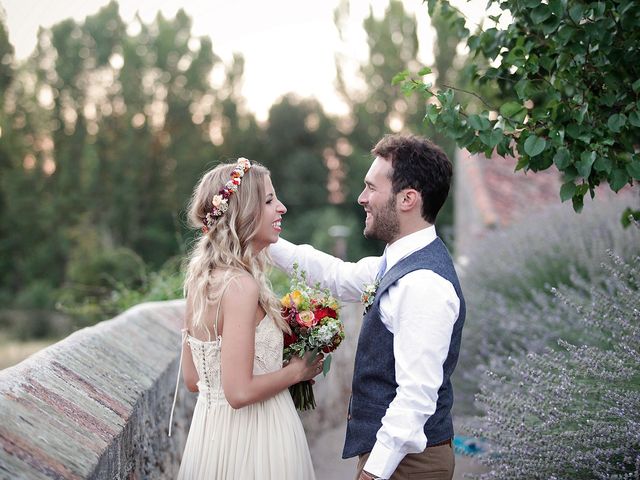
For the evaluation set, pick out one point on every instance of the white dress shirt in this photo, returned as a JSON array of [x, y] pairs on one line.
[[419, 310]]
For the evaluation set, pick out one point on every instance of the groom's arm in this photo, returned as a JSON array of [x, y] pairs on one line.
[[345, 280], [420, 311]]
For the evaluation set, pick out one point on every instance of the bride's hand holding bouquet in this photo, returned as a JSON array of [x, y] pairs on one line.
[[312, 315]]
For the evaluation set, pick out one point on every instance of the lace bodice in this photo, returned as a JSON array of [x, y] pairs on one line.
[[206, 357]]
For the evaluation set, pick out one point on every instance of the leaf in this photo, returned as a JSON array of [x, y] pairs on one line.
[[521, 88], [478, 122], [603, 164], [510, 108], [629, 214], [575, 13], [513, 111], [584, 164], [582, 112], [400, 77], [618, 179], [556, 7], [616, 122], [491, 138], [634, 119], [633, 167], [424, 71], [565, 33], [581, 189], [570, 173], [534, 145], [567, 190], [550, 25], [408, 88], [446, 97], [432, 113], [523, 162], [578, 202], [562, 158], [576, 131], [547, 62], [326, 365], [636, 86], [467, 139], [473, 42], [540, 13]]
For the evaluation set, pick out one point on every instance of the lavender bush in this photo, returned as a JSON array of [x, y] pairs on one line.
[[509, 277], [572, 412]]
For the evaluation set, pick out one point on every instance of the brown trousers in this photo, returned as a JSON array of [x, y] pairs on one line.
[[434, 463]]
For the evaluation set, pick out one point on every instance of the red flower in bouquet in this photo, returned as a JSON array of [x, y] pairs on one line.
[[289, 339], [323, 312], [312, 315]]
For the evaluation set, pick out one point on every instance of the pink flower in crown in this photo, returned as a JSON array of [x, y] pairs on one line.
[[220, 202], [217, 200]]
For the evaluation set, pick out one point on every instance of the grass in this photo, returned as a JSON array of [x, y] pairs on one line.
[[13, 351]]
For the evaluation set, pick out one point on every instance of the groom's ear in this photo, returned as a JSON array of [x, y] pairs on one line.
[[409, 199]]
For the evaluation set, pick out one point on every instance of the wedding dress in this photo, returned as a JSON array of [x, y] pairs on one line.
[[261, 441]]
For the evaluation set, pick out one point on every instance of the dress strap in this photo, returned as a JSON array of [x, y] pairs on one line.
[[184, 332], [215, 324]]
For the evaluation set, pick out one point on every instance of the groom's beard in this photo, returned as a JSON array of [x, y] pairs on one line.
[[384, 223]]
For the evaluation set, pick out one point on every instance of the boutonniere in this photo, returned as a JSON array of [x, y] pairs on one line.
[[369, 294]]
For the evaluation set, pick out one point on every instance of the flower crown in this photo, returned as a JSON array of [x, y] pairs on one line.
[[220, 202]]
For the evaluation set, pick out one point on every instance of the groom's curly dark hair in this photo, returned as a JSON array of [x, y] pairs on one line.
[[420, 164]]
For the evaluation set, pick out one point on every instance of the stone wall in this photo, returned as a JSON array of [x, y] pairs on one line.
[[96, 404]]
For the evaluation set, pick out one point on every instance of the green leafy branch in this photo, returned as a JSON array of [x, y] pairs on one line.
[[568, 75]]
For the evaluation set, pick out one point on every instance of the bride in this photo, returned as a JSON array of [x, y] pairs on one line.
[[244, 425]]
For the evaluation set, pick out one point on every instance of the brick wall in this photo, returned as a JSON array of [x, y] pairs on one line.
[[96, 404]]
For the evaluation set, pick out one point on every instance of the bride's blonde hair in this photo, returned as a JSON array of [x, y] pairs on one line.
[[226, 246]]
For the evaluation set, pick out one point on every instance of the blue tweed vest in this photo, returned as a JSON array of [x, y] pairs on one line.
[[374, 384]]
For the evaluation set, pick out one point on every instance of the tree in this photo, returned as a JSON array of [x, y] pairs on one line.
[[6, 164], [376, 108], [105, 129], [569, 74], [298, 134]]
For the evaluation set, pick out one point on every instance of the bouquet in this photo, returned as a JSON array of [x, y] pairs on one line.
[[312, 314]]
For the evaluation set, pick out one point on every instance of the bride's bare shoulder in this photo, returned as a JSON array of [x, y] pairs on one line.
[[237, 284]]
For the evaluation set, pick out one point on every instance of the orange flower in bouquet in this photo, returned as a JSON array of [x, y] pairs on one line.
[[312, 314]]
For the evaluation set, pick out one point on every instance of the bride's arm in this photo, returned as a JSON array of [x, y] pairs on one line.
[[241, 387]]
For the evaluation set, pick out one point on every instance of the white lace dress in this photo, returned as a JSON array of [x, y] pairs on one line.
[[263, 441]]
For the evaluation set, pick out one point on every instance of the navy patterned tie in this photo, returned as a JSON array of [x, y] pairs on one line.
[[383, 267]]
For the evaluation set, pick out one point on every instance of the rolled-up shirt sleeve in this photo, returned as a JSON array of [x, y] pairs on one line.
[[345, 280], [420, 310]]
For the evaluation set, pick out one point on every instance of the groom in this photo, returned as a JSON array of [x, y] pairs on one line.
[[399, 419]]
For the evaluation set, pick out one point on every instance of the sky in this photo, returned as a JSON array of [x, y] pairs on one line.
[[288, 45]]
